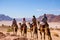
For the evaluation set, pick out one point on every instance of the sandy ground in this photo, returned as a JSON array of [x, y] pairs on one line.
[[55, 34]]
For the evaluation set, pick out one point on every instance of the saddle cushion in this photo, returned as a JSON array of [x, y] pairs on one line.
[[42, 23]]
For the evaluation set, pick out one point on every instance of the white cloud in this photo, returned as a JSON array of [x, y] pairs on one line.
[[40, 10], [55, 10]]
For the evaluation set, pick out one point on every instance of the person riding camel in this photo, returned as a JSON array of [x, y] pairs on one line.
[[14, 25], [24, 26], [34, 20], [44, 19], [35, 31], [24, 21]]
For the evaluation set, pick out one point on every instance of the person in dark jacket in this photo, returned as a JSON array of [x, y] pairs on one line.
[[35, 31], [34, 20], [44, 19], [14, 25]]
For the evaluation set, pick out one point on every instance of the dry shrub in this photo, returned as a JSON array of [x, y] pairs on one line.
[[56, 34], [9, 30]]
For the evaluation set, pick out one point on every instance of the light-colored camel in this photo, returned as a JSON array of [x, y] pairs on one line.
[[45, 30]]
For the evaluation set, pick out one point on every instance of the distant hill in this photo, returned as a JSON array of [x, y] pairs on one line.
[[5, 18], [20, 19], [51, 18]]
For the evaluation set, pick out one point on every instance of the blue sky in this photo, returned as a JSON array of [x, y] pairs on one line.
[[28, 8]]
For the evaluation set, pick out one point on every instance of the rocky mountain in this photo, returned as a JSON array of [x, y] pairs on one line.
[[20, 19], [5, 18], [51, 18]]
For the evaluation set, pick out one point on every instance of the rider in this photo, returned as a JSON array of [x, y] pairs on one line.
[[14, 24], [24, 26], [34, 20], [24, 21], [44, 20]]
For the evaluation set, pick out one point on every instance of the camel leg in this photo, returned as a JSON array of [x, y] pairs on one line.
[[44, 35], [21, 32], [41, 35], [31, 33], [37, 36], [14, 31], [25, 35], [49, 37]]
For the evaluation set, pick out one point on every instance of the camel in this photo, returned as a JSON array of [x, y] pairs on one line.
[[34, 23], [21, 28], [31, 28], [24, 29], [44, 28], [35, 31], [48, 32]]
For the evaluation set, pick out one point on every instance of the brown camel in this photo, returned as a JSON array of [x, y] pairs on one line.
[[48, 32], [21, 28], [35, 31], [24, 29], [45, 29], [34, 23], [31, 28]]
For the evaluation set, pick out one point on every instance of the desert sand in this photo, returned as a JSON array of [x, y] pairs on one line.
[[5, 35]]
